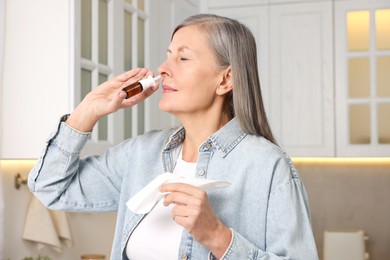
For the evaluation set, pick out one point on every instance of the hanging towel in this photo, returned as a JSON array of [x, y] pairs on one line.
[[47, 228]]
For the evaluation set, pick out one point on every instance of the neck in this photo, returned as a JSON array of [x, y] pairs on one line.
[[197, 132]]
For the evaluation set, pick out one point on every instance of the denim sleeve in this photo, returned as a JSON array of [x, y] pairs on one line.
[[62, 181], [289, 233]]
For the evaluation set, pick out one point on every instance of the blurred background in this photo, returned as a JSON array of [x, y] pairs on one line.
[[325, 77]]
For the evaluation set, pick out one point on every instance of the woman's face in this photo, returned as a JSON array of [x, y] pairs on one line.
[[190, 75]]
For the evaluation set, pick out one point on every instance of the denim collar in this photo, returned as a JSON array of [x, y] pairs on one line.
[[225, 139]]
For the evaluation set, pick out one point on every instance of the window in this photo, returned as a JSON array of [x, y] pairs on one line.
[[362, 79], [109, 38], [368, 37]]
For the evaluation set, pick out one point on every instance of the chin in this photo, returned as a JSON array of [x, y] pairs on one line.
[[168, 108], [164, 106]]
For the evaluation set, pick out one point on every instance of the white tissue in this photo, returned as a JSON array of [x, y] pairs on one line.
[[145, 199]]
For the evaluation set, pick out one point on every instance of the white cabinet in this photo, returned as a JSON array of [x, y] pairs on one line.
[[304, 64], [44, 68], [2, 35], [307, 70], [301, 78], [296, 74], [35, 86], [362, 65]]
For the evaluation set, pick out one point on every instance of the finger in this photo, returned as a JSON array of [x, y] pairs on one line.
[[182, 221], [143, 73], [182, 199], [181, 187], [185, 221], [130, 74], [116, 103], [178, 219], [184, 211], [180, 212]]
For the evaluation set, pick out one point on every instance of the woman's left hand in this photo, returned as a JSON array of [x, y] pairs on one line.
[[193, 211]]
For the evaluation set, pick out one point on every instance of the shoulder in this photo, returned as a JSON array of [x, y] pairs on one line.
[[262, 146], [270, 154]]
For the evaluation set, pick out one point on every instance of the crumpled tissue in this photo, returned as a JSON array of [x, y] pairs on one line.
[[143, 201]]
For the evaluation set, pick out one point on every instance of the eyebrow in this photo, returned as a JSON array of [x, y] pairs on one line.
[[181, 48]]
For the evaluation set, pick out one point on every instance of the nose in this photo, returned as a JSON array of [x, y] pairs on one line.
[[164, 69]]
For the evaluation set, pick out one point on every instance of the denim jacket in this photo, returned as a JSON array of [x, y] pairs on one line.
[[266, 206]]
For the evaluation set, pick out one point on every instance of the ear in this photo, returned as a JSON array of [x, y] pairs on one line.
[[226, 83]]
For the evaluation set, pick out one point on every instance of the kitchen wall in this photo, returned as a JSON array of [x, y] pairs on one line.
[[350, 195], [92, 233]]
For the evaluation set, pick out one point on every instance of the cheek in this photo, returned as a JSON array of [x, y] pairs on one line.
[[196, 90]]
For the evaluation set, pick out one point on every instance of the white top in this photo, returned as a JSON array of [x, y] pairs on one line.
[[158, 236]]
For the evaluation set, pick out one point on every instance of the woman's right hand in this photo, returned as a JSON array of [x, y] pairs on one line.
[[108, 98]]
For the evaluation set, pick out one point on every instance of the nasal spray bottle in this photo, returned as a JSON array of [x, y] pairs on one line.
[[139, 86]]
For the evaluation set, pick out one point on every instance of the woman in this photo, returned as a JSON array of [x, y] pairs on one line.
[[211, 84]]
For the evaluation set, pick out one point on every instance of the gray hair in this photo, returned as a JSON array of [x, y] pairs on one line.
[[234, 45]]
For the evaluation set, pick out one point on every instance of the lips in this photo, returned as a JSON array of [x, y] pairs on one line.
[[167, 89]]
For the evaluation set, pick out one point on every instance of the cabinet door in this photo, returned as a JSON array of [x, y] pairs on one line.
[[2, 35], [301, 78], [362, 60], [35, 83]]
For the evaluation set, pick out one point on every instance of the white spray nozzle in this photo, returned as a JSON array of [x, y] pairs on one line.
[[157, 77], [149, 81]]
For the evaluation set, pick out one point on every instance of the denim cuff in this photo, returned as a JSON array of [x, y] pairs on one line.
[[70, 140], [212, 257]]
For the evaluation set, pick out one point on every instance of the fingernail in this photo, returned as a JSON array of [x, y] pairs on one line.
[[122, 94]]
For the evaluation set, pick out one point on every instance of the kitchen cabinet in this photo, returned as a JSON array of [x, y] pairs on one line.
[[58, 51], [301, 77], [304, 61], [2, 35], [35, 86], [296, 69], [322, 98], [362, 65]]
